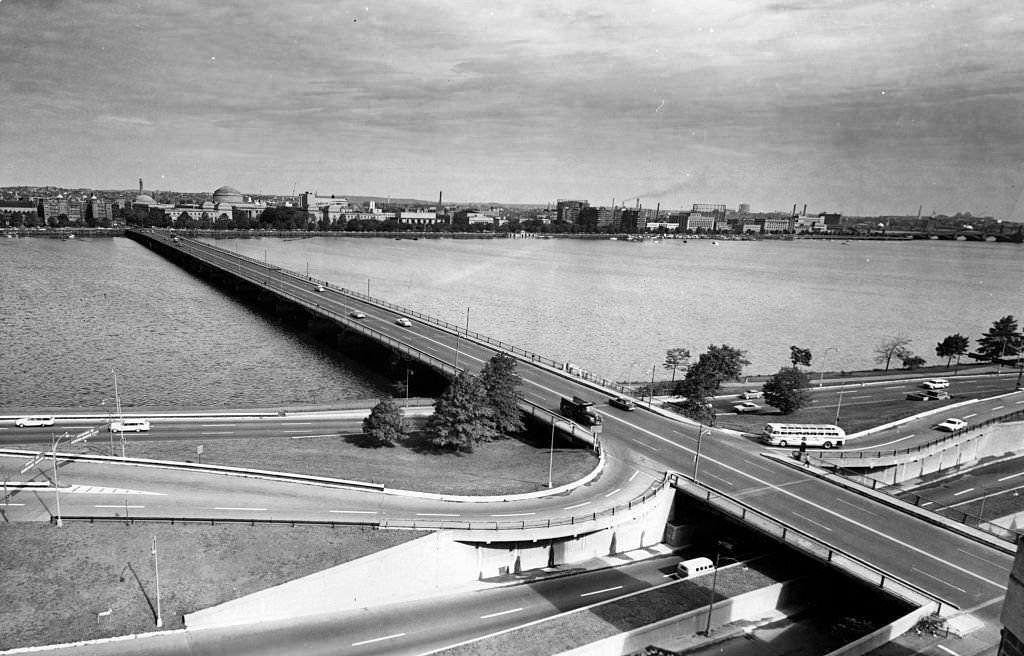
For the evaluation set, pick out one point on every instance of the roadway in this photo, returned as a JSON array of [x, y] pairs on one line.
[[956, 569]]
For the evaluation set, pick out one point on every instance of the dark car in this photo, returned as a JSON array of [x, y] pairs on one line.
[[621, 403]]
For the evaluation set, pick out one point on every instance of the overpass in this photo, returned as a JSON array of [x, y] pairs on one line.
[[914, 554]]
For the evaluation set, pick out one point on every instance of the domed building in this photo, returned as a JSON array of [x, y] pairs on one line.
[[226, 204], [228, 195]]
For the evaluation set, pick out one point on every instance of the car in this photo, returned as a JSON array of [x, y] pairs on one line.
[[35, 421], [319, 288], [403, 322], [929, 395], [935, 384], [621, 403], [951, 425], [752, 394], [357, 315], [746, 406], [128, 425]]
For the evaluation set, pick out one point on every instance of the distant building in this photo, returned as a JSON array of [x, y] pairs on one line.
[[778, 224], [569, 210], [1011, 642], [418, 218], [226, 203], [328, 209], [744, 208], [18, 212]]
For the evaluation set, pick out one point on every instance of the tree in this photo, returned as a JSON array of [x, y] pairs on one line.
[[911, 361], [462, 415], [799, 355], [1002, 339], [676, 358], [698, 409], [715, 366], [787, 390], [891, 347], [952, 346], [502, 383], [386, 424]]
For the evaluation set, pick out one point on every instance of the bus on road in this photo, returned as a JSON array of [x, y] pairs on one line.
[[824, 435]]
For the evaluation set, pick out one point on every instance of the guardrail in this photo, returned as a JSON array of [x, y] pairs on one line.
[[807, 543]]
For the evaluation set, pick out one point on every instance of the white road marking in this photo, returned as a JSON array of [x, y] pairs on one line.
[[635, 472], [437, 515], [597, 592], [998, 407], [947, 650], [973, 414], [853, 505], [94, 489], [866, 396], [956, 494], [613, 492], [216, 432], [500, 613], [1006, 478], [118, 506], [942, 581], [217, 425], [296, 431], [875, 447], [366, 642], [927, 503], [1018, 402], [355, 512], [578, 505], [297, 423], [726, 481], [5, 504], [808, 519], [253, 509], [975, 556], [644, 444], [894, 387], [515, 514], [757, 464], [310, 437]]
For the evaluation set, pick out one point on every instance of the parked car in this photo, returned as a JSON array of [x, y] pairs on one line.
[[935, 384], [357, 315], [621, 403], [35, 421], [745, 406], [752, 394], [952, 425], [403, 322]]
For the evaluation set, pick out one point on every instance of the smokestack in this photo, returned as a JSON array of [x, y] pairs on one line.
[[440, 202], [140, 186], [805, 210], [657, 211], [794, 209]]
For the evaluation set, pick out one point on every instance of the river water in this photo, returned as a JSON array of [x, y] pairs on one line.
[[72, 311]]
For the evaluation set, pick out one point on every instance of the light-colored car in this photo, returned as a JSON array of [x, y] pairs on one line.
[[751, 394], [402, 321], [319, 288], [935, 384], [746, 406], [35, 421], [357, 315], [952, 425], [129, 425]]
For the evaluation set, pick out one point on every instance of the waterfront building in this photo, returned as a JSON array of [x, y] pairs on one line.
[[99, 211], [328, 209], [568, 211], [226, 203], [18, 213], [418, 218], [778, 224]]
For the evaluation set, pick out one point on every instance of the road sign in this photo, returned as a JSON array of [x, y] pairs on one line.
[[33, 462]]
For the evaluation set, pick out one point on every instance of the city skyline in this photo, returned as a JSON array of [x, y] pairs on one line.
[[856, 107]]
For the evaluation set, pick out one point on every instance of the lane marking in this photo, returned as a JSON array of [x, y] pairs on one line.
[[644, 444], [217, 425], [724, 480], [808, 519], [1006, 478], [973, 414], [984, 560], [613, 492], [956, 494], [500, 613], [1018, 402], [578, 505], [597, 592], [118, 506], [947, 650], [305, 430], [637, 471], [942, 581], [895, 387], [297, 423], [875, 447], [216, 432], [437, 515], [866, 396], [355, 512], [5, 504], [515, 514], [372, 640], [253, 509], [927, 503], [853, 505], [998, 407]]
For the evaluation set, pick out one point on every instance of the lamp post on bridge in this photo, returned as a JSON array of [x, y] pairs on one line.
[[457, 342], [696, 457]]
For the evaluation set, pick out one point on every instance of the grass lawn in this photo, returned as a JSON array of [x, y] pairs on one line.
[[57, 580]]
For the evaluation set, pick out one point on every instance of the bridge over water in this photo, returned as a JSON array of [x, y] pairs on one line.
[[912, 552]]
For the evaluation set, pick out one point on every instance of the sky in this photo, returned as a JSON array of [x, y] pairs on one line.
[[856, 106]]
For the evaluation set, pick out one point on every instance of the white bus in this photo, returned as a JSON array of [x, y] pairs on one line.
[[823, 435]]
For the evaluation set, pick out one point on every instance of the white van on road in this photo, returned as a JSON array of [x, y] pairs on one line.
[[129, 425], [935, 384], [694, 567]]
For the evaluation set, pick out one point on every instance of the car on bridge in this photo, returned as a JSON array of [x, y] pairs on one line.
[[24, 422], [319, 288], [951, 425], [621, 402], [357, 315], [935, 384], [745, 406], [403, 322]]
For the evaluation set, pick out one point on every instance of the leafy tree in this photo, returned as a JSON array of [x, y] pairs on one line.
[[952, 346], [502, 383], [799, 355], [1002, 339], [676, 358], [386, 424], [698, 409], [891, 347], [715, 366], [911, 361], [787, 390], [462, 415]]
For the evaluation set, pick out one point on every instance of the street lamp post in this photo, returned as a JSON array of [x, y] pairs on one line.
[[156, 566], [696, 457], [407, 374], [839, 405], [651, 401], [551, 456], [81, 437], [120, 417], [457, 342], [714, 585], [824, 354]]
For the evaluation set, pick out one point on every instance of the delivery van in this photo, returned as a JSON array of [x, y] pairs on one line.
[[694, 567]]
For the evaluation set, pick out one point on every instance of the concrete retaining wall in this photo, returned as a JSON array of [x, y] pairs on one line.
[[882, 636]]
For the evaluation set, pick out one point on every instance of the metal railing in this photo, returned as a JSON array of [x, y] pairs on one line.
[[806, 542]]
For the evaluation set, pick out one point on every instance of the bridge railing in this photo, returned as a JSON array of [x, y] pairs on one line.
[[524, 354], [807, 543]]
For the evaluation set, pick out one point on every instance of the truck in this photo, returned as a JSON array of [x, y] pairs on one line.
[[580, 411]]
